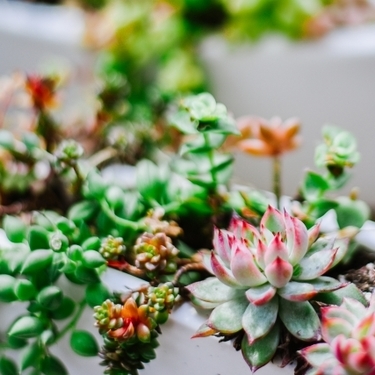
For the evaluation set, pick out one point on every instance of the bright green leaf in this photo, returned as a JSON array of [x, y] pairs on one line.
[[84, 343]]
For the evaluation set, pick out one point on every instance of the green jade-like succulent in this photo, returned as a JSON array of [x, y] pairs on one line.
[[349, 334], [263, 280]]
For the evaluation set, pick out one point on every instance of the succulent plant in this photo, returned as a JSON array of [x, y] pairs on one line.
[[349, 334], [263, 280]]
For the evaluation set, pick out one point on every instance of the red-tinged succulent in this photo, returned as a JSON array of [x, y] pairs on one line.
[[349, 334], [265, 278], [42, 91], [124, 322], [268, 137]]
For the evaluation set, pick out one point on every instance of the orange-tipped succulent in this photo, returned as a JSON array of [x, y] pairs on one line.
[[42, 91], [123, 322], [268, 137]]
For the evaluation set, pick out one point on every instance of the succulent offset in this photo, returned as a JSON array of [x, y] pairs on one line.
[[264, 279], [349, 334]]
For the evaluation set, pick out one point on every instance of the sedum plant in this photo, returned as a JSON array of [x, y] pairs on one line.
[[264, 280], [348, 334]]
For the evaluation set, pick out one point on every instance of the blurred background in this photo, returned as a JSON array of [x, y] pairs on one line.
[[311, 59]]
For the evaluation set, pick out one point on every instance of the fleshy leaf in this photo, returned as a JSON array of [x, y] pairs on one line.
[[261, 294], [300, 319], [227, 317], [279, 272], [213, 290], [300, 291], [317, 354], [315, 265], [222, 243], [273, 220], [244, 268], [203, 331], [257, 321], [276, 248], [297, 238], [262, 350], [222, 272]]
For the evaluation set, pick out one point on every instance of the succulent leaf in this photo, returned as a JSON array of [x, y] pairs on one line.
[[303, 291], [223, 273], [244, 268], [257, 321], [226, 318], [300, 319], [316, 264], [213, 290], [262, 350], [261, 294], [222, 243], [279, 272]]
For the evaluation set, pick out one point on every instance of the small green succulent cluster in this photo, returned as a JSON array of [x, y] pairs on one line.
[[39, 255]]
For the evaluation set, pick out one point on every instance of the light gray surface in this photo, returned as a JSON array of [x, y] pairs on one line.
[[331, 80]]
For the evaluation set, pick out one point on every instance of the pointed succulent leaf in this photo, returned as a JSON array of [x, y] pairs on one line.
[[336, 297], [366, 328], [257, 321], [333, 327], [342, 246], [244, 268], [204, 304], [313, 234], [227, 317], [242, 229], [301, 291], [276, 248], [273, 220], [26, 327], [297, 291], [203, 331], [279, 272], [213, 290], [300, 319], [206, 260], [297, 238], [355, 307], [222, 243], [262, 350], [84, 343], [223, 273], [317, 354], [260, 295], [260, 252], [315, 265]]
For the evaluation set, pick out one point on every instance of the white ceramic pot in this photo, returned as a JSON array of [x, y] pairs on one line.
[[331, 80]]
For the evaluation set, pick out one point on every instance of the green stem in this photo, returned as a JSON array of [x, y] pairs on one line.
[[211, 160], [73, 322], [119, 220], [276, 167]]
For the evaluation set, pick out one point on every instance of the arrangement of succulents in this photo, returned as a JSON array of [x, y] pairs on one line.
[[267, 271]]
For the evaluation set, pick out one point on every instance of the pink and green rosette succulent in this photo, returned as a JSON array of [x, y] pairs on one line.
[[349, 334], [263, 280]]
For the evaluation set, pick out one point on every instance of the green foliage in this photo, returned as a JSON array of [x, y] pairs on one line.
[[84, 343]]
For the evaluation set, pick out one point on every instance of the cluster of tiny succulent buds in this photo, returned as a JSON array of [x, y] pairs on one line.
[[136, 316], [155, 224], [155, 253], [161, 300], [69, 151], [112, 248]]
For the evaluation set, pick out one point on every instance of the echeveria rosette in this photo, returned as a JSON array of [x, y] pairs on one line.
[[349, 334], [263, 277]]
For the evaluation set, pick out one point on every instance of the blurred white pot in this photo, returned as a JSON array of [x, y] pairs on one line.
[[331, 80]]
